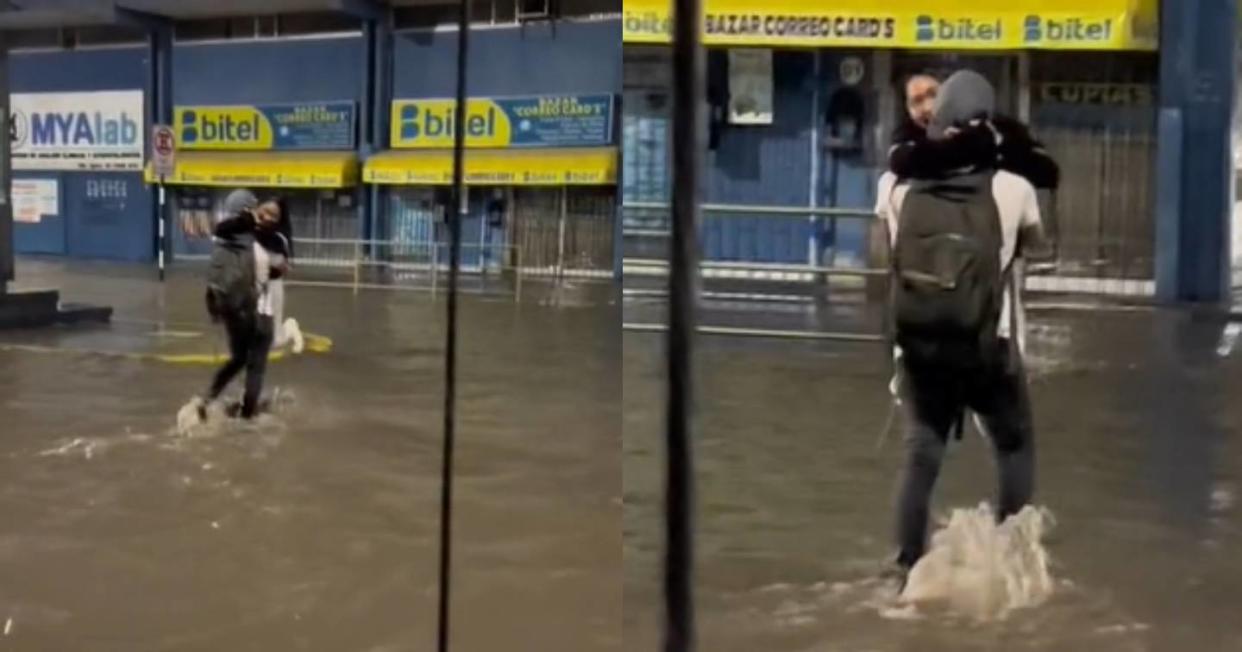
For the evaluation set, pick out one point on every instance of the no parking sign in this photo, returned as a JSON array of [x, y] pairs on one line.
[[163, 150]]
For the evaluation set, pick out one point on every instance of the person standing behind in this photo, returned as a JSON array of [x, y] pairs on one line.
[[958, 318], [915, 156]]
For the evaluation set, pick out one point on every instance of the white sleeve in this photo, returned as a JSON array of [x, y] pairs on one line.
[[884, 189], [884, 203], [1030, 207]]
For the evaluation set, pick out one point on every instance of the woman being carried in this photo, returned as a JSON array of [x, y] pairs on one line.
[[273, 253]]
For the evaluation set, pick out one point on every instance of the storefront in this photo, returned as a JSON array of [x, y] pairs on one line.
[[77, 153], [803, 97], [302, 152], [540, 172]]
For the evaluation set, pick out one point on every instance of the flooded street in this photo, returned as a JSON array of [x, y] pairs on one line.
[[1139, 447], [316, 527]]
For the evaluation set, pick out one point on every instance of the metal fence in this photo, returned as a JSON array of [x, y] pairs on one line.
[[851, 270], [565, 234], [372, 264], [850, 266], [1102, 220], [1104, 238]]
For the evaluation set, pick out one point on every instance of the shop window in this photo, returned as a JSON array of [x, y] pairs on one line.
[[424, 16], [504, 11], [587, 8], [316, 22], [243, 27], [483, 11], [535, 9], [202, 30], [265, 26], [109, 35], [34, 39]]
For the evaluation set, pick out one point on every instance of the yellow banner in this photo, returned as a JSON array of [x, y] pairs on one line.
[[945, 25], [257, 127], [306, 170], [593, 166]]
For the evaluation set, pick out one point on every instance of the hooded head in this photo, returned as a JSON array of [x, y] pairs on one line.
[[237, 201], [964, 96]]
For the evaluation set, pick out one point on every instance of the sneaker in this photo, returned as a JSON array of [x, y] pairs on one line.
[[293, 333]]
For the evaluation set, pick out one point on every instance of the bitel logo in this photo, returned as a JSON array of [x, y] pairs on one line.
[[1032, 29], [925, 28]]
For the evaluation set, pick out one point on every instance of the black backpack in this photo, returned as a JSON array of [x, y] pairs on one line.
[[948, 284], [231, 283]]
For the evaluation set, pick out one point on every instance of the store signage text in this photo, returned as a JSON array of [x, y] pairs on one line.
[[1098, 94], [791, 26], [729, 27], [928, 29], [77, 131], [1069, 30], [320, 126], [794, 23], [542, 121]]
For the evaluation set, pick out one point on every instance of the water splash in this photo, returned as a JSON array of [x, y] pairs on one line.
[[981, 570], [189, 423]]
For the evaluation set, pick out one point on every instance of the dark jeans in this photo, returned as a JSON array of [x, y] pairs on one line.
[[250, 341], [935, 396]]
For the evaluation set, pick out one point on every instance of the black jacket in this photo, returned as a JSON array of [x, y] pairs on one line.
[[242, 229], [915, 156], [238, 228]]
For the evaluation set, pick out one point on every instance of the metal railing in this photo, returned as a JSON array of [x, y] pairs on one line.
[[645, 232], [402, 265], [374, 264], [648, 220]]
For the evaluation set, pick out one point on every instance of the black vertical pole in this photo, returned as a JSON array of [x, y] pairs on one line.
[[6, 207], [688, 91], [450, 345], [162, 62]]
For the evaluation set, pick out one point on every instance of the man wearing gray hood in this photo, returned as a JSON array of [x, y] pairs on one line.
[[249, 329], [965, 235]]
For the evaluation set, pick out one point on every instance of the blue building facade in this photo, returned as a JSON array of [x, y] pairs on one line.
[[834, 99], [348, 77]]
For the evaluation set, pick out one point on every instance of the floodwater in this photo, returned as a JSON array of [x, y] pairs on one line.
[[316, 528], [1133, 547]]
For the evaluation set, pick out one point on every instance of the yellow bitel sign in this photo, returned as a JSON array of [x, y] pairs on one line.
[[223, 128], [949, 24], [428, 124]]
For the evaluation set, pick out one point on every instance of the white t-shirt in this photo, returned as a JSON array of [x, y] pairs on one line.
[[1019, 209]]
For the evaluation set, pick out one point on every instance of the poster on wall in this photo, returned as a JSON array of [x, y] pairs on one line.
[[77, 131], [536, 121], [35, 199], [750, 87], [258, 127]]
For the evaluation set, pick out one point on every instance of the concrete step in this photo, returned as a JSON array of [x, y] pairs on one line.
[[40, 308], [81, 313]]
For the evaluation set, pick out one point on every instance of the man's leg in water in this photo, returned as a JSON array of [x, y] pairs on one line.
[[1004, 406], [256, 366], [931, 403], [240, 333]]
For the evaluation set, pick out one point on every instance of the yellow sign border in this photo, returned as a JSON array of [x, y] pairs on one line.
[[1131, 24]]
